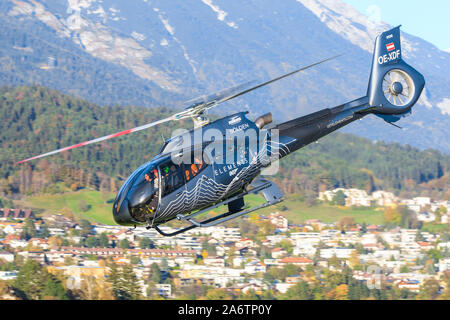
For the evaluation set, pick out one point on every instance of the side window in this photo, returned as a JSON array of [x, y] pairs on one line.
[[171, 177], [192, 169]]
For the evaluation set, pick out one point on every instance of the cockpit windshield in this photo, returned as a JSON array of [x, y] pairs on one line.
[[143, 196], [174, 144]]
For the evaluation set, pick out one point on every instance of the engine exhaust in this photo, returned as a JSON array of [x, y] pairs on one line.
[[263, 120]]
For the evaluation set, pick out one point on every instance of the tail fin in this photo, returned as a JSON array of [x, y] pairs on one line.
[[394, 86]]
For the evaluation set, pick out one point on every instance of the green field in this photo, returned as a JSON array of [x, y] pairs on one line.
[[297, 211], [99, 204]]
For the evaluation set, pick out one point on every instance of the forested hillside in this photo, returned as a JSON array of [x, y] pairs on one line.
[[36, 120]]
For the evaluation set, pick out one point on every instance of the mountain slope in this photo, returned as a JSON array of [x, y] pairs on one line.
[[160, 52]]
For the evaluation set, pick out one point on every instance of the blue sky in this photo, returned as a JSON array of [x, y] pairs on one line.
[[429, 20]]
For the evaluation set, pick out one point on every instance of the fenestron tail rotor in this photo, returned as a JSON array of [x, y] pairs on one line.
[[195, 110], [398, 87]]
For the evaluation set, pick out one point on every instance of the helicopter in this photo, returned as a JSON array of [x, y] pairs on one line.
[[220, 163]]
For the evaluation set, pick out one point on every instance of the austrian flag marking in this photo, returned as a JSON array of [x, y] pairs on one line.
[[390, 46]]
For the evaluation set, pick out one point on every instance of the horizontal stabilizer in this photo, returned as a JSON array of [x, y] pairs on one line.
[[391, 118]]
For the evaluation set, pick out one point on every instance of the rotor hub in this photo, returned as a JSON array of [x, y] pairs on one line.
[[396, 88]]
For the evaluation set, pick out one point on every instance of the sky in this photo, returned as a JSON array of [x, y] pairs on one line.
[[429, 20]]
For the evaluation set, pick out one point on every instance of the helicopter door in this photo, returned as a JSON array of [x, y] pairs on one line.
[[172, 186], [172, 179], [200, 183]]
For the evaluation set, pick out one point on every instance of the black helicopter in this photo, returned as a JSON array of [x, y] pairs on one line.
[[218, 163]]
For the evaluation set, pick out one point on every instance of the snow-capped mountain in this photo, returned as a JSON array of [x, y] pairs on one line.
[[154, 52]]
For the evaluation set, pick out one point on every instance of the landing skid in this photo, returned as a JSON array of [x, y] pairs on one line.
[[269, 190]]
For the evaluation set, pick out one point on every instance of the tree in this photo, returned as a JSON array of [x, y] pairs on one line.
[[5, 290], [114, 278], [92, 242], [419, 236], [86, 227], [54, 290], [392, 215], [346, 222], [29, 230], [363, 228], [355, 261], [44, 232], [164, 264], [124, 283], [291, 270], [268, 278], [29, 280], [446, 294], [146, 243], [287, 245], [249, 295], [404, 269], [93, 288], [218, 294], [339, 198], [129, 285], [209, 249], [124, 244], [155, 274], [103, 240], [342, 292], [34, 282], [55, 241], [135, 260], [83, 206], [430, 289], [318, 291], [334, 262], [89, 288], [429, 267], [300, 291]]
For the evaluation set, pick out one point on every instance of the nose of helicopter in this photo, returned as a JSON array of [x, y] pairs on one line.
[[121, 212]]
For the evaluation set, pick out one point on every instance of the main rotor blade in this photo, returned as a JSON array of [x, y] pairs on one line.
[[217, 96], [201, 104], [114, 135], [276, 79]]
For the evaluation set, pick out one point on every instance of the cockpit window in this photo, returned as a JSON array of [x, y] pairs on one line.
[[171, 177], [123, 192], [143, 197], [196, 165]]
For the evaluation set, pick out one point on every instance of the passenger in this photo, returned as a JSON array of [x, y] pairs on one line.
[[194, 169], [199, 163], [187, 175], [155, 185]]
